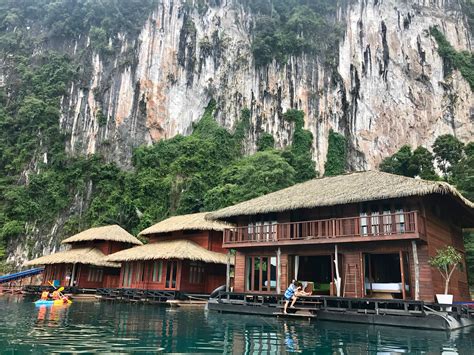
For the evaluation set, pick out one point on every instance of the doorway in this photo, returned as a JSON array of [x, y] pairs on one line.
[[315, 270]]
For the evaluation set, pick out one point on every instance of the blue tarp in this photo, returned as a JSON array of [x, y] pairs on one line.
[[21, 275]]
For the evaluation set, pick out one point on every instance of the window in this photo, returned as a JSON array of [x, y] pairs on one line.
[[262, 230], [364, 223], [171, 270], [157, 271], [95, 274], [196, 273], [375, 220], [387, 219], [261, 273], [383, 219], [140, 272], [399, 219], [127, 275]]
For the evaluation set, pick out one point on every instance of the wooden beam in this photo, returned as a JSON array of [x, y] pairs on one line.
[[227, 277], [278, 284], [402, 271], [417, 270]]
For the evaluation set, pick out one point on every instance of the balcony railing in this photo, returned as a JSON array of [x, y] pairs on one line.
[[364, 227]]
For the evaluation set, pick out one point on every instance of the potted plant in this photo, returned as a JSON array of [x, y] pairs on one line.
[[446, 261]]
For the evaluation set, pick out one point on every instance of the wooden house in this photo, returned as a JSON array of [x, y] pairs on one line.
[[374, 230], [83, 264], [184, 253]]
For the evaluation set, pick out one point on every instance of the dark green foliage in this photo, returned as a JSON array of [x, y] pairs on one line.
[[469, 246], [399, 163], [73, 18], [284, 28], [251, 177], [448, 151], [336, 158], [463, 172], [101, 118], [299, 155], [265, 142], [463, 61], [421, 164]]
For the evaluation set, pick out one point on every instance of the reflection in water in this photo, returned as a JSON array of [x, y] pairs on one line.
[[101, 327]]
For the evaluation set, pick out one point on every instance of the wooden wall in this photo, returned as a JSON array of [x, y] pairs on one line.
[[352, 254], [439, 221], [210, 240], [214, 276], [440, 232], [105, 246], [110, 276]]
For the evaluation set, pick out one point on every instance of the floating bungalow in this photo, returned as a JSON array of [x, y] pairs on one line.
[[184, 254], [83, 265], [360, 235]]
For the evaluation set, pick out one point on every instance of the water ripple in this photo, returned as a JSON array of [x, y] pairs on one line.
[[91, 327]]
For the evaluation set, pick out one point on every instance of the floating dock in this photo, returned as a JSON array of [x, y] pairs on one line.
[[400, 313]]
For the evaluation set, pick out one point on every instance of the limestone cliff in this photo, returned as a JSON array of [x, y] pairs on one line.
[[389, 87]]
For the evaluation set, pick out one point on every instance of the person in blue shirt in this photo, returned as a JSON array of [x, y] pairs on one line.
[[290, 295]]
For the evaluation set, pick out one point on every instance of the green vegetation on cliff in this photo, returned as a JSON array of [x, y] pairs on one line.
[[336, 157], [285, 28], [462, 61]]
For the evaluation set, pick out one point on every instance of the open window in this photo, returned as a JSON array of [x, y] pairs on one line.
[[386, 275]]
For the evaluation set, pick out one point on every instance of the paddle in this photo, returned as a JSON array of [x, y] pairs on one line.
[[59, 291]]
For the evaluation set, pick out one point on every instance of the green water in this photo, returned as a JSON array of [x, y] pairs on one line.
[[111, 328]]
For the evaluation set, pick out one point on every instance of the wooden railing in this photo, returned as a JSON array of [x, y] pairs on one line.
[[371, 226]]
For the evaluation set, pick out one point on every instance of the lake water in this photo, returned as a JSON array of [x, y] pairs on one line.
[[111, 328]]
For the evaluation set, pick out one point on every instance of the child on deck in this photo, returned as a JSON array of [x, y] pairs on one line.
[[290, 295]]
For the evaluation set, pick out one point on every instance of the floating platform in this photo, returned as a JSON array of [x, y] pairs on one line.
[[399, 313]]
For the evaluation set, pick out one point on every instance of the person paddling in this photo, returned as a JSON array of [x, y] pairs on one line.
[[56, 295], [44, 295]]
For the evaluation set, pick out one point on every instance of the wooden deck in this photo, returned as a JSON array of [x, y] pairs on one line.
[[411, 314], [393, 226]]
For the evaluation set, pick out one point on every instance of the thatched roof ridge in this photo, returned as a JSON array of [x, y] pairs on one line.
[[173, 249], [194, 221], [87, 256], [113, 233], [337, 190]]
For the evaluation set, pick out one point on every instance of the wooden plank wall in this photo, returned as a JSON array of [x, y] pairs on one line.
[[441, 233]]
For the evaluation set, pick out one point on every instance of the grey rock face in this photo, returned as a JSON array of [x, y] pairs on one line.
[[388, 89]]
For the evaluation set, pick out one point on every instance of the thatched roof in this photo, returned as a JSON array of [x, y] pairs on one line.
[[88, 256], [337, 190], [113, 233], [195, 221], [172, 249]]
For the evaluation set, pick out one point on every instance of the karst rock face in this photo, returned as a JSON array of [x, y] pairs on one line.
[[389, 87]]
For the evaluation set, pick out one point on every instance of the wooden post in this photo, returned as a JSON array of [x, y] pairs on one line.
[[278, 285], [361, 275], [73, 275], [227, 277], [402, 271], [417, 270], [337, 281]]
